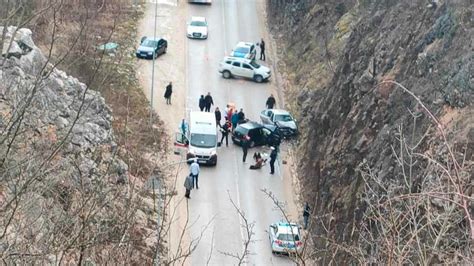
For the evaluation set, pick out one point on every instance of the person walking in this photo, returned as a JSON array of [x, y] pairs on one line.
[[234, 120], [188, 184], [245, 146], [270, 102], [262, 50], [208, 100], [273, 156], [225, 132], [306, 212], [218, 115], [194, 172], [168, 92], [202, 103], [184, 127]]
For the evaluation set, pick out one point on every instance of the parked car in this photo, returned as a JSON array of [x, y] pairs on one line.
[[285, 237], [200, 1], [259, 134], [282, 119], [244, 50], [149, 47], [241, 67], [197, 28]]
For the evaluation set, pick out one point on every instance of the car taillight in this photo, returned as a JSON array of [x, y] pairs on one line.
[[299, 243], [278, 242]]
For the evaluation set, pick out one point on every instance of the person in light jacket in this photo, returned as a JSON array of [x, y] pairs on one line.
[[188, 184]]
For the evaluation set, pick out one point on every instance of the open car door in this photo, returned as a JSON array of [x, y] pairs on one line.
[[181, 143]]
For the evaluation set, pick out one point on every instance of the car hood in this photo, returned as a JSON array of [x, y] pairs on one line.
[[194, 29], [287, 124], [264, 68], [144, 49]]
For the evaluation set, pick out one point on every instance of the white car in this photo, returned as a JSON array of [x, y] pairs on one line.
[[244, 50], [200, 1], [241, 67], [282, 119], [197, 28], [285, 237]]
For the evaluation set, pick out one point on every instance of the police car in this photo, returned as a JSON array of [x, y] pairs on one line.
[[285, 237]]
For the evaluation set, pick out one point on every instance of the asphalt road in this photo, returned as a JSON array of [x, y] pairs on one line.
[[231, 21]]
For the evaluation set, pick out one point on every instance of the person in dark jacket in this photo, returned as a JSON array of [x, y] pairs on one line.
[[270, 102], [218, 115], [273, 156], [245, 146], [225, 132], [168, 92], [188, 185], [234, 120], [202, 103], [208, 100], [241, 116], [262, 50], [306, 213]]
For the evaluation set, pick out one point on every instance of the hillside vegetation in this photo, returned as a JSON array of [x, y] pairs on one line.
[[383, 91]]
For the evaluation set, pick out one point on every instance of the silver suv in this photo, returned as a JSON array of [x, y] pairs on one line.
[[241, 67]]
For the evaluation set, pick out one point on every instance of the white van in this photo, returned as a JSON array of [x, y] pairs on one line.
[[201, 138]]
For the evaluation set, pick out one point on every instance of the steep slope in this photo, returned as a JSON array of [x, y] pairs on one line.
[[65, 195], [383, 91]]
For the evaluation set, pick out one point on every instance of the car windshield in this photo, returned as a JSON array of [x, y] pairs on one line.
[[149, 43], [284, 118], [242, 50], [254, 64], [203, 140], [288, 237], [198, 23]]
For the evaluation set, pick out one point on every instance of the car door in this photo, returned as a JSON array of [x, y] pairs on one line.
[[247, 71], [265, 116], [236, 69], [266, 136], [181, 143], [253, 52], [161, 47]]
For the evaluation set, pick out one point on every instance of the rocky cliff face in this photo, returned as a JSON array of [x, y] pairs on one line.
[[384, 92], [62, 197]]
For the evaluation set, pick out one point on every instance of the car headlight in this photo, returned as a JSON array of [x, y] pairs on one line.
[[191, 151], [150, 53], [213, 153]]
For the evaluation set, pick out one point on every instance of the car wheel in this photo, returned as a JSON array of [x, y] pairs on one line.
[[226, 74], [258, 79]]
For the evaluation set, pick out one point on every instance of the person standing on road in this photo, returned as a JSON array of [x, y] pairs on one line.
[[218, 114], [241, 116], [208, 100], [273, 156], [262, 50], [194, 172], [168, 92], [245, 146], [306, 211], [270, 102], [202, 103], [184, 127], [225, 132], [235, 120], [188, 184]]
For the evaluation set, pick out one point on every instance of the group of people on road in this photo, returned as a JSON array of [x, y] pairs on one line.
[[205, 102]]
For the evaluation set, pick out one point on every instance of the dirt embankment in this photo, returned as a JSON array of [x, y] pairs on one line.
[[383, 91]]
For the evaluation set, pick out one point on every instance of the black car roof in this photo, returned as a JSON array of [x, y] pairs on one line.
[[251, 125]]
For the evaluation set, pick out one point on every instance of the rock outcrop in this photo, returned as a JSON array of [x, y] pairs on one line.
[[384, 174], [61, 192]]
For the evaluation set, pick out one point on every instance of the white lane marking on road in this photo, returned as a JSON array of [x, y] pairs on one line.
[[224, 31], [241, 220]]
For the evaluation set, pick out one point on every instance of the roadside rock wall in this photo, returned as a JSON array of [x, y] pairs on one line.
[[341, 58], [60, 174]]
